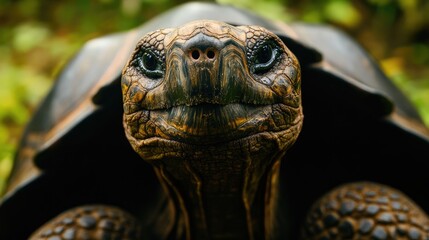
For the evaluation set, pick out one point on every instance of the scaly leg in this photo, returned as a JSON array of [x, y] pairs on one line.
[[90, 222], [366, 211]]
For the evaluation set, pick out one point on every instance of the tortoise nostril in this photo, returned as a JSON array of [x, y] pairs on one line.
[[195, 54], [210, 54], [198, 54]]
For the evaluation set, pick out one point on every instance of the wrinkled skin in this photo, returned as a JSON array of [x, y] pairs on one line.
[[213, 108]]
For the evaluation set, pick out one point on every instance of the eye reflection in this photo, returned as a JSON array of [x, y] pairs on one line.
[[149, 61], [150, 65], [265, 58], [264, 54]]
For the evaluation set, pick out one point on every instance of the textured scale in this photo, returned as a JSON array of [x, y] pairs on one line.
[[366, 211], [90, 222]]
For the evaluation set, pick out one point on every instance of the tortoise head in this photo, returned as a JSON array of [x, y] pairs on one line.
[[213, 107], [209, 83]]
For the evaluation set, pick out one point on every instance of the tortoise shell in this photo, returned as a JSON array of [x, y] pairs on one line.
[[358, 126]]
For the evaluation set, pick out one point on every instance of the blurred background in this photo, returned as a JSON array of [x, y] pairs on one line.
[[38, 37]]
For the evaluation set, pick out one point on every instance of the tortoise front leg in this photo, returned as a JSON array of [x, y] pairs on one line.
[[366, 211], [90, 222]]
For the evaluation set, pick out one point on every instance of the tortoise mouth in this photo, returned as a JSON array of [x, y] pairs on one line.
[[214, 123]]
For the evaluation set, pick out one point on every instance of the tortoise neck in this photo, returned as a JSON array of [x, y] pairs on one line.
[[223, 197]]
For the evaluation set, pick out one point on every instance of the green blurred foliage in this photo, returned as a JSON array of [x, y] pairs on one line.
[[38, 37]]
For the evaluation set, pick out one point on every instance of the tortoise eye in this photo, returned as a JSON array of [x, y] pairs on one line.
[[265, 58], [150, 64]]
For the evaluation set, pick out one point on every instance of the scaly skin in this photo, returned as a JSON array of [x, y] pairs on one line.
[[90, 222], [366, 211], [214, 123]]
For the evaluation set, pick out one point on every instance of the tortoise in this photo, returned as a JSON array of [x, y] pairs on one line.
[[192, 127]]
